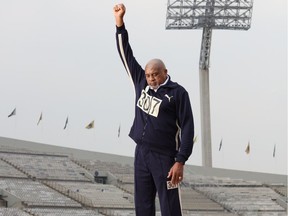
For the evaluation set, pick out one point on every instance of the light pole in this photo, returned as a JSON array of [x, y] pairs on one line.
[[208, 15]]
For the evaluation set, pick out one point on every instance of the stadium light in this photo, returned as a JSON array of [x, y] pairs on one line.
[[216, 14], [208, 15]]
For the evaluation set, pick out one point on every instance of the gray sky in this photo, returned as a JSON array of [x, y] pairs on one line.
[[60, 58]]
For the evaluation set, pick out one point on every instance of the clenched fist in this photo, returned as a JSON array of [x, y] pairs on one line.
[[119, 12]]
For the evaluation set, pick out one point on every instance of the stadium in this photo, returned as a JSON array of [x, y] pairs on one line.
[[39, 179]]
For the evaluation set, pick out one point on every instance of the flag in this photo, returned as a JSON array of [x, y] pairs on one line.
[[66, 122], [119, 129], [274, 151], [40, 118], [247, 150], [12, 113], [90, 125], [220, 146]]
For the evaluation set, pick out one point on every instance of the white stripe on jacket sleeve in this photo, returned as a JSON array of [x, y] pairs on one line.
[[124, 58]]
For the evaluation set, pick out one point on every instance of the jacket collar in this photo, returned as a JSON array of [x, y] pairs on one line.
[[168, 83]]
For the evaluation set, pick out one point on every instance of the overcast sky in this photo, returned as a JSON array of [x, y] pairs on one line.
[[59, 57]]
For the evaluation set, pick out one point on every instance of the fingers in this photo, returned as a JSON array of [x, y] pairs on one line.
[[176, 173], [176, 179], [116, 8], [119, 7], [169, 174]]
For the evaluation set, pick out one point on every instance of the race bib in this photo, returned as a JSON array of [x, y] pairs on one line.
[[149, 104]]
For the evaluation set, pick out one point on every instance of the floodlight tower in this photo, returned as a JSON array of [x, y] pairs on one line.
[[208, 15]]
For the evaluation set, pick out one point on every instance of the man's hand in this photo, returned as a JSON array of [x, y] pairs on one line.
[[119, 12], [176, 173]]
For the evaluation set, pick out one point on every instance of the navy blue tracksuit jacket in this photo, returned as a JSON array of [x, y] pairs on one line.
[[163, 119]]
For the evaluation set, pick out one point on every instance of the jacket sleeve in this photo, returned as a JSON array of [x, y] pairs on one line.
[[186, 123], [132, 67]]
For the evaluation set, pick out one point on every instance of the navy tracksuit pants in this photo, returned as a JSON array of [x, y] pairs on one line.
[[151, 170]]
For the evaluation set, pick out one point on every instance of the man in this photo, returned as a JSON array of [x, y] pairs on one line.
[[163, 129]]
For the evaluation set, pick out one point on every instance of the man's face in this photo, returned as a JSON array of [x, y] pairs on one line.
[[155, 76]]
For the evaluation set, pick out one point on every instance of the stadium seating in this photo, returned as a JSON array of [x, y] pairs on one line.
[[61, 212], [9, 171], [12, 212], [33, 193], [51, 184], [45, 166], [244, 199]]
